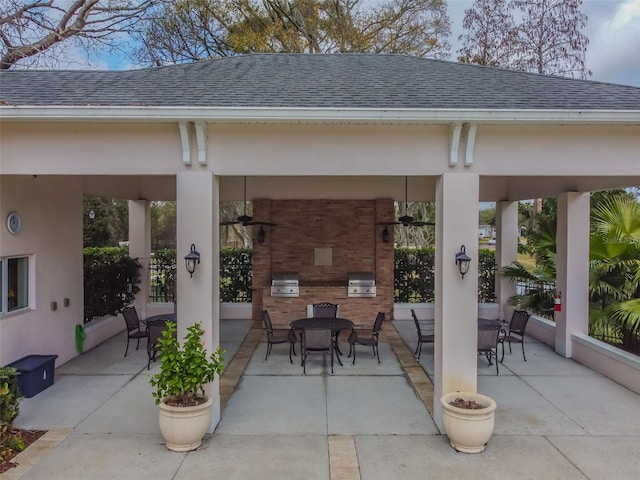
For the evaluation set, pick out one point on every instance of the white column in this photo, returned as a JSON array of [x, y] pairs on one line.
[[198, 296], [572, 268], [140, 248], [456, 307], [506, 249]]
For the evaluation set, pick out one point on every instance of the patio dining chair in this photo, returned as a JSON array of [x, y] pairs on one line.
[[154, 331], [133, 326], [316, 340], [422, 337], [369, 339], [488, 342], [515, 331], [325, 309], [273, 339]]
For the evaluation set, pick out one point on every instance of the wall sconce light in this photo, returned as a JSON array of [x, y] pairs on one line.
[[463, 261], [191, 259], [385, 235], [261, 235]]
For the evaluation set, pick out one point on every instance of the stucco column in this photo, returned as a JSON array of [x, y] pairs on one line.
[[140, 248], [456, 308], [199, 296], [506, 250], [572, 268]]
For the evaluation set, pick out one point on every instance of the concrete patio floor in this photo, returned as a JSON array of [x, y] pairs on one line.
[[555, 418]]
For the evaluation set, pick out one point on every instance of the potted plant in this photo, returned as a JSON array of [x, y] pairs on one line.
[[185, 409], [468, 420]]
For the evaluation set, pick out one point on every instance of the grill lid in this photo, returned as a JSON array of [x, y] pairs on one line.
[[362, 279], [284, 278]]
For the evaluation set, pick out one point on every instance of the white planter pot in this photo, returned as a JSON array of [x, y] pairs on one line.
[[468, 430], [184, 427]]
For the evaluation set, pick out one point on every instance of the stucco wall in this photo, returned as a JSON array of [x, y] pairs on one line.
[[52, 235]]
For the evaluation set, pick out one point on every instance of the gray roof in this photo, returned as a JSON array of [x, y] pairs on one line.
[[378, 81]]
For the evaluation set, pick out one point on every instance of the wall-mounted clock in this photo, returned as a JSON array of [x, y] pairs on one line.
[[14, 223]]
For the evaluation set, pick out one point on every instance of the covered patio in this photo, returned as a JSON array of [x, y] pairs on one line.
[[555, 418], [308, 127]]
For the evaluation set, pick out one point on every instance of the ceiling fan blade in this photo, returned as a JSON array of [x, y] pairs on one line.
[[389, 223], [422, 224], [262, 223], [233, 222]]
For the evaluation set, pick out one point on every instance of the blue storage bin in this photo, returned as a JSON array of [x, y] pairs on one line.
[[35, 373]]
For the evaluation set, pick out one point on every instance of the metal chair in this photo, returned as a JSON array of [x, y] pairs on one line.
[[515, 333], [154, 331], [324, 309], [370, 340], [133, 326], [422, 338], [316, 340], [488, 342], [272, 339]]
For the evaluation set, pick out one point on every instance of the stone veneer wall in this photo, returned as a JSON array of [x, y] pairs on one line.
[[347, 227]]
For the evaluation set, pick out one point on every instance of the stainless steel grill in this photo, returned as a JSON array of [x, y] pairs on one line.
[[285, 284], [361, 284]]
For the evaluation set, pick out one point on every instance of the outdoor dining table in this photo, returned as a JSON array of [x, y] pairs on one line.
[[336, 324], [165, 317]]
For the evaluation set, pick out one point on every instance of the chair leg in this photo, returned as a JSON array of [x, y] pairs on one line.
[[502, 359], [497, 370], [138, 344], [523, 356], [354, 354], [291, 346], [419, 349], [126, 349], [269, 346], [376, 352]]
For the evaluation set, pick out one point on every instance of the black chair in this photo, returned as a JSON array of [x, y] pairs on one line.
[[316, 340], [488, 342], [515, 331], [272, 339], [422, 338], [133, 326], [154, 331], [370, 339], [324, 309]]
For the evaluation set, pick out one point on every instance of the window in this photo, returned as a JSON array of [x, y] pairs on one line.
[[14, 284]]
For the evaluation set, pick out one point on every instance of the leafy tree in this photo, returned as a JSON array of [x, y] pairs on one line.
[[105, 221], [191, 30], [542, 36], [490, 32], [29, 29], [163, 225], [487, 216]]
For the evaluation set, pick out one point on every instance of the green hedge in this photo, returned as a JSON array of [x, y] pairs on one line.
[[9, 409], [111, 280], [414, 269]]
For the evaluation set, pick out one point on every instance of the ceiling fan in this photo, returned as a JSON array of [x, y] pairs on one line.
[[406, 220], [244, 219]]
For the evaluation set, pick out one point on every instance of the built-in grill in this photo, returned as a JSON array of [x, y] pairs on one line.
[[285, 284], [361, 284]]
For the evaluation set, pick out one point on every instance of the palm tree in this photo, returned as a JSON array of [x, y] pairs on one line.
[[614, 282]]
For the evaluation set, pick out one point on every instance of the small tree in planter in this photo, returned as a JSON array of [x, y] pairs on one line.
[[185, 409]]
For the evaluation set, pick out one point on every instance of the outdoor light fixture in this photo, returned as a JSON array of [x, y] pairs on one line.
[[261, 235], [385, 235], [463, 261], [191, 259]]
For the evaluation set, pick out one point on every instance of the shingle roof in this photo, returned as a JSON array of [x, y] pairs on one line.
[[377, 81]]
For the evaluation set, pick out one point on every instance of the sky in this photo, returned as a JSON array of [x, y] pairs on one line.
[[613, 29]]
